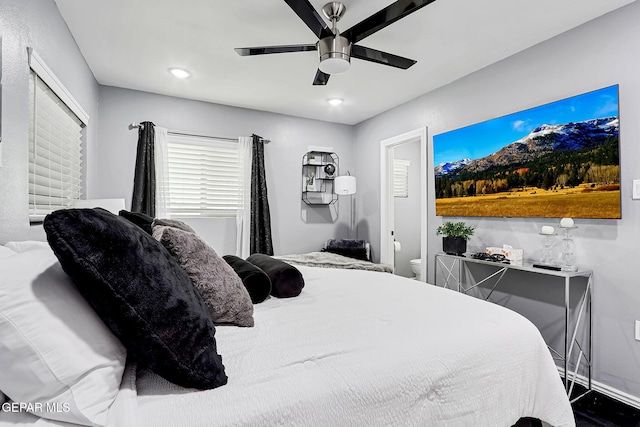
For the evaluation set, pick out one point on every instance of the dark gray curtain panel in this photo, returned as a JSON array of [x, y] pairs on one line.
[[144, 181], [260, 233]]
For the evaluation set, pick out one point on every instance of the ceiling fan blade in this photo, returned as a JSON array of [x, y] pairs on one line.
[[321, 78], [382, 18], [380, 57], [309, 16], [265, 50]]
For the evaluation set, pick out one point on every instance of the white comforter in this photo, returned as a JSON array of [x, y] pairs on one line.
[[364, 348]]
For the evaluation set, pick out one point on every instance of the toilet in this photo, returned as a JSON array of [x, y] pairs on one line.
[[416, 266]]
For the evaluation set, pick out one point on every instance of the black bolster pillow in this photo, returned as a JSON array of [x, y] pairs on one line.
[[140, 219], [286, 280], [254, 279]]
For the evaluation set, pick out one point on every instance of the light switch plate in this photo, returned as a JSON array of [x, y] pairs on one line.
[[636, 189]]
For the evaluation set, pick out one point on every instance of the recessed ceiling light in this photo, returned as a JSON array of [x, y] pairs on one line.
[[179, 73], [335, 101]]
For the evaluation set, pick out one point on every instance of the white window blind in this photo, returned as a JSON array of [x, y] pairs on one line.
[[401, 178], [204, 177], [55, 152]]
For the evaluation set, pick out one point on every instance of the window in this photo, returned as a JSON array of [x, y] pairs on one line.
[[401, 178], [204, 176], [55, 143]]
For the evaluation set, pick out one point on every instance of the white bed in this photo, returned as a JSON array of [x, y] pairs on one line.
[[360, 348]]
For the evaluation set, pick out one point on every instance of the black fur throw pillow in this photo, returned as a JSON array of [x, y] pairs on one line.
[[140, 292], [347, 247], [140, 219], [286, 280], [254, 279]]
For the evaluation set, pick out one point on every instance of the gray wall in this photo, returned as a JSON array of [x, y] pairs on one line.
[[296, 227], [37, 24], [407, 211], [600, 53]]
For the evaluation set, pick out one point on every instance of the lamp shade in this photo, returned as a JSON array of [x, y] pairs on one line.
[[112, 205], [345, 185]]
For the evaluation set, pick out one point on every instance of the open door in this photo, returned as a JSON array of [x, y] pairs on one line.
[[387, 252]]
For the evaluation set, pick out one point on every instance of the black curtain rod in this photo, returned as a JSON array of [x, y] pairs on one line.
[[175, 132]]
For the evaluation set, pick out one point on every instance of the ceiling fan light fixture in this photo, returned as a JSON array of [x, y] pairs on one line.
[[334, 65], [335, 54]]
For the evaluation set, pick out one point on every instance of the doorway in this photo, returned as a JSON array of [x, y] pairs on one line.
[[387, 214]]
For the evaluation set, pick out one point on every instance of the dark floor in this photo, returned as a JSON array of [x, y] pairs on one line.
[[596, 409]]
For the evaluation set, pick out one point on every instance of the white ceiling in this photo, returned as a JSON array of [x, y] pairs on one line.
[[132, 44]]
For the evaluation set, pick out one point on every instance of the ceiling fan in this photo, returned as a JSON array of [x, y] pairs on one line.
[[336, 48]]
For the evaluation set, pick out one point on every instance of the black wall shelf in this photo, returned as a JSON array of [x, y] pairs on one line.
[[319, 168]]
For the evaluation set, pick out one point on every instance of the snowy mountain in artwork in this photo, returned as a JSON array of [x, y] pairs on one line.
[[450, 167], [542, 140]]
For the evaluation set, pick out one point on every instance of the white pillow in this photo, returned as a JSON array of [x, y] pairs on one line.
[[27, 245], [55, 351], [5, 252]]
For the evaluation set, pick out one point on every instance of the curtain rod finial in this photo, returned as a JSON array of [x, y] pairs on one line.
[[266, 141]]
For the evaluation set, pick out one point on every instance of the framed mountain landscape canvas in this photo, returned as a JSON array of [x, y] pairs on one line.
[[556, 160]]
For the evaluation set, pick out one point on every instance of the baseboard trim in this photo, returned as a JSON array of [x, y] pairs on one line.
[[606, 390]]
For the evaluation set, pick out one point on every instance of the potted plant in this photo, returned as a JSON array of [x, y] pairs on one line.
[[455, 236]]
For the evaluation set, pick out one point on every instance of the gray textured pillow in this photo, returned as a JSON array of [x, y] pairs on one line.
[[172, 223], [221, 288]]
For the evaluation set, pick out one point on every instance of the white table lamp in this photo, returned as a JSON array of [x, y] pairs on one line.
[[346, 186]]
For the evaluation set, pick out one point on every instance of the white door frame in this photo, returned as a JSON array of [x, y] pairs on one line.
[[386, 196]]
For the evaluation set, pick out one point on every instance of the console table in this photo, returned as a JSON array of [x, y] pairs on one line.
[[456, 268]]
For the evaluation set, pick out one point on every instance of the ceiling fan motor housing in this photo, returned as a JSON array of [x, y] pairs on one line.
[[335, 54]]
